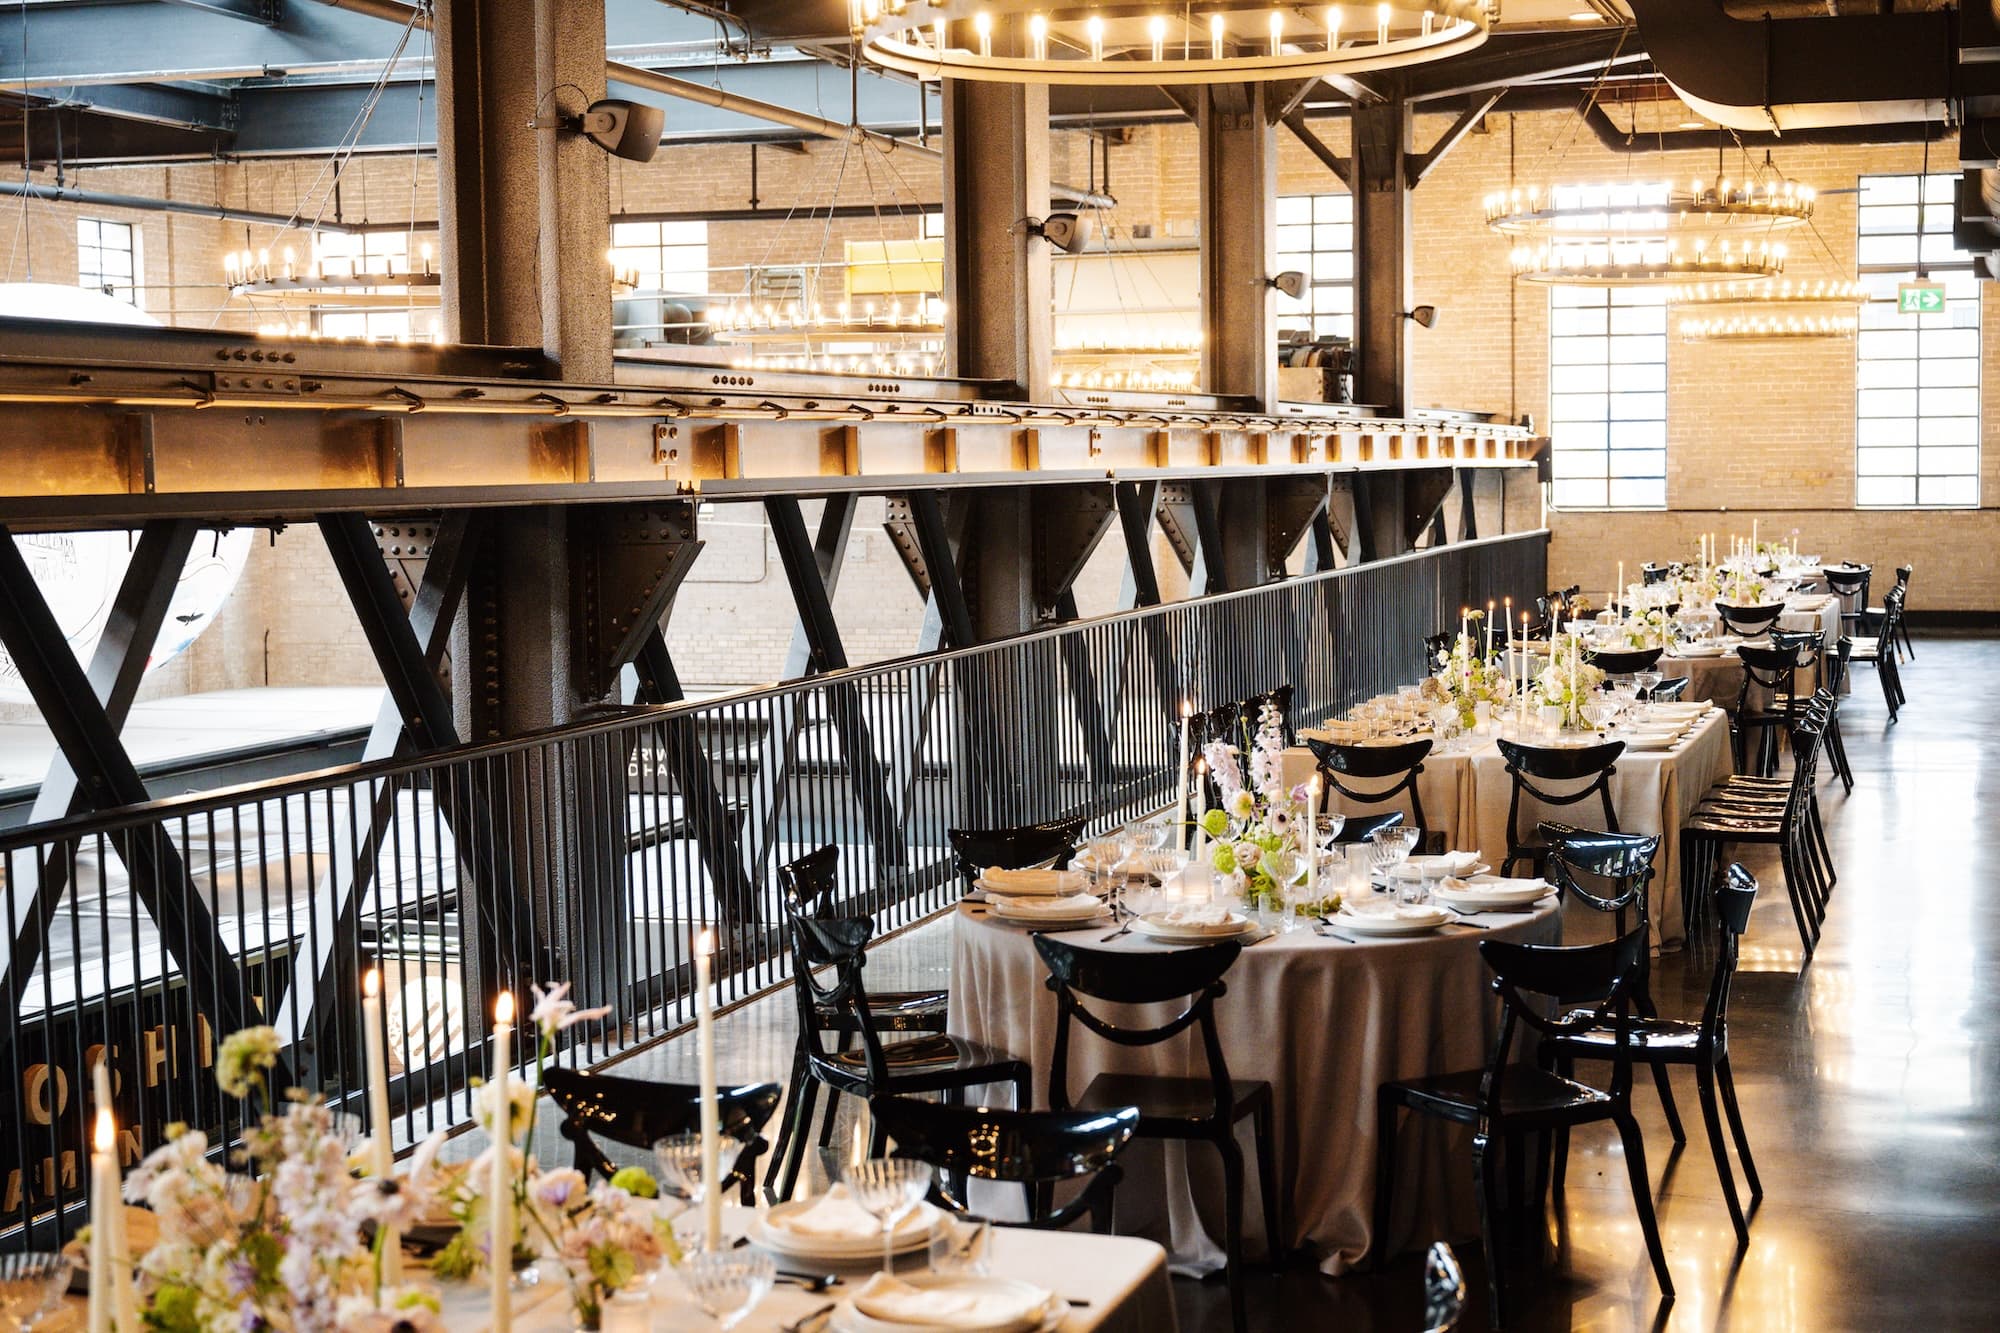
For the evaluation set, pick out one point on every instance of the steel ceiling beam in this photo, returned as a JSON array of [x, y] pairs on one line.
[[175, 105], [264, 12]]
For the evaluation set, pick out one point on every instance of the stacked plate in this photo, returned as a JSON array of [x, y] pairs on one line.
[[1392, 920], [949, 1303], [1182, 926], [834, 1229], [1697, 650], [1490, 893], [1042, 883], [1074, 909]]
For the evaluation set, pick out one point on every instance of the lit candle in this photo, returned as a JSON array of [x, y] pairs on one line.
[[711, 1128], [1464, 621], [1200, 840], [1753, 536], [103, 1198], [1181, 772], [1309, 838], [1489, 627], [384, 1150], [1621, 585], [500, 1188]]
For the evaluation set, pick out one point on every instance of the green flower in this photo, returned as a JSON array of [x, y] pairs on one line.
[[245, 1058], [1224, 859], [636, 1181], [1215, 823], [174, 1309]]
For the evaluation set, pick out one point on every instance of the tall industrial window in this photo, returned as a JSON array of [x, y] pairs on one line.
[[107, 258], [670, 257], [1316, 237], [376, 313], [1608, 397], [1917, 375]]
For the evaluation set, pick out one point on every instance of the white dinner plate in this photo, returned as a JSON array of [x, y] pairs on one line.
[[1040, 1308], [1049, 884], [1402, 921], [915, 1233], [1181, 932], [1698, 650], [1489, 893], [1421, 863], [1006, 911]]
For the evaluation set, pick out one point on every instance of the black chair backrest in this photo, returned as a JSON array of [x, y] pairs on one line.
[[1749, 620], [1370, 762], [1766, 671], [974, 849], [1846, 582], [820, 941], [1013, 1146], [636, 1112], [810, 881], [1903, 573], [1672, 691], [1654, 573], [1735, 895], [1360, 828], [1528, 763], [1435, 644], [1590, 983], [1582, 860], [1623, 662], [1115, 977], [1837, 663]]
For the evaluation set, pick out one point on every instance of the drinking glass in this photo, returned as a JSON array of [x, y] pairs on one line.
[[1287, 870], [961, 1247], [1414, 889], [680, 1160], [1598, 711], [890, 1188], [728, 1283], [1326, 828], [1390, 847], [31, 1284], [1647, 682]]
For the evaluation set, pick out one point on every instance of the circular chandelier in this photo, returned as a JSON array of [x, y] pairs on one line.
[[1229, 41], [1766, 328], [747, 320], [257, 273], [1824, 292], [1646, 261], [1655, 208]]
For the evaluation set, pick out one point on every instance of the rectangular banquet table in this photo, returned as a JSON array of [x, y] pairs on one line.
[[1325, 1022], [1653, 791]]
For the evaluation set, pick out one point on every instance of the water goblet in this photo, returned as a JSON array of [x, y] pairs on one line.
[[1598, 711], [728, 1284], [960, 1247], [1647, 681], [31, 1284], [1287, 869], [1326, 828], [1390, 847], [890, 1188], [680, 1160]]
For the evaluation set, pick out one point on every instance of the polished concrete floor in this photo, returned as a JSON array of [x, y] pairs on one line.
[[1870, 1080]]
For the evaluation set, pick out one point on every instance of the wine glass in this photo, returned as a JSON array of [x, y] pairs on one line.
[[1326, 828], [1287, 868], [728, 1284], [681, 1163], [30, 1286], [1390, 848], [890, 1188], [1597, 711], [1648, 681]]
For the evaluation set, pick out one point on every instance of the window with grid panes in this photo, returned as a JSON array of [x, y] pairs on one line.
[[107, 258], [1316, 237], [1917, 376], [1608, 397], [670, 257], [374, 252]]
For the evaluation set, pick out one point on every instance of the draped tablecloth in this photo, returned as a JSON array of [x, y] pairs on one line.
[[1653, 791], [1325, 1022]]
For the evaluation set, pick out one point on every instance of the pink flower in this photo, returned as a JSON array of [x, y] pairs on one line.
[[554, 1011]]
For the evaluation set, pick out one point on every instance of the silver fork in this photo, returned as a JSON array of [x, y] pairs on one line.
[[816, 1318]]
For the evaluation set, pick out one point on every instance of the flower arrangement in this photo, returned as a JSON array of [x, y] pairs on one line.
[[1644, 629], [281, 1245], [604, 1237], [1257, 814], [1465, 678], [1567, 683]]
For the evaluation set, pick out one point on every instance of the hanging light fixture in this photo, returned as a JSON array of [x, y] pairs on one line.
[[355, 280], [1824, 292], [1646, 261], [1766, 327], [1651, 208], [1760, 311], [1229, 41]]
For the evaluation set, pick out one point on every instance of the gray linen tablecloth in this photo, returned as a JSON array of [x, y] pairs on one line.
[[1325, 1022]]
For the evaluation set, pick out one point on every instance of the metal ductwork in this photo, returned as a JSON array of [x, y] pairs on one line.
[[1785, 75]]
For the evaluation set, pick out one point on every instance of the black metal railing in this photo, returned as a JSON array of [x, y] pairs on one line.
[[596, 853]]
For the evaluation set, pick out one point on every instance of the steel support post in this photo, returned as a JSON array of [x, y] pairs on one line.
[[116, 667], [105, 777], [1138, 502], [1382, 147], [1238, 142], [997, 274]]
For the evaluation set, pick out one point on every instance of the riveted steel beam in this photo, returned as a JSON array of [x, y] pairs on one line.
[[626, 563]]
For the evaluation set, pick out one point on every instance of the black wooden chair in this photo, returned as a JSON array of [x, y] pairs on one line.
[[1506, 1101], [1672, 691], [1833, 678], [1727, 819], [1767, 706], [1749, 621], [1653, 574], [832, 1014], [1039, 1149], [1880, 652], [1052, 843], [1623, 662], [1204, 1110], [637, 1112], [1879, 615], [1530, 765], [1849, 583], [1374, 765], [1704, 1044]]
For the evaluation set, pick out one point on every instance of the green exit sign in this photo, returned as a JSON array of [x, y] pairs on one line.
[[1920, 298]]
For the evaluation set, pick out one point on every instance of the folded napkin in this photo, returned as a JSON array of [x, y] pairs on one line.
[[1039, 882], [1066, 906], [835, 1215], [1194, 914], [1493, 886], [1450, 863], [947, 1305], [1387, 907]]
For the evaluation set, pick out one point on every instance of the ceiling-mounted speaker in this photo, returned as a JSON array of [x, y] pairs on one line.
[[630, 130]]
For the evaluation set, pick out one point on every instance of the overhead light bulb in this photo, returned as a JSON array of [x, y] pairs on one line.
[[1157, 30], [1382, 13], [1215, 31], [1095, 27], [1038, 36], [982, 24], [1277, 31], [1332, 26]]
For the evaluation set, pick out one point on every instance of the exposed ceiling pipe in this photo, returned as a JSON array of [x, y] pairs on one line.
[[17, 189], [1622, 140], [1809, 73]]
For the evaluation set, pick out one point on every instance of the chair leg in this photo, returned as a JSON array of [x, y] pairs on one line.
[[1385, 1180], [794, 1089], [1275, 1240], [1486, 1187], [1559, 1177], [1799, 913], [1903, 633], [1712, 1117], [1232, 1226], [1727, 1083], [798, 1126], [1665, 1087], [1642, 1198]]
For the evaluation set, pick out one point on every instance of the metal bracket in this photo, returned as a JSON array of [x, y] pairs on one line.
[[626, 564]]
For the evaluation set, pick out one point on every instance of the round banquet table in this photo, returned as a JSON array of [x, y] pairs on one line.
[[1325, 1022]]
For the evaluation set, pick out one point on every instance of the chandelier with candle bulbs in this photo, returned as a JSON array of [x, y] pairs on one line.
[[1638, 261], [1225, 41], [260, 273]]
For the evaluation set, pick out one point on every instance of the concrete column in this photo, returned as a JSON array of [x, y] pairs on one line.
[[997, 284], [1382, 251], [1239, 193]]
